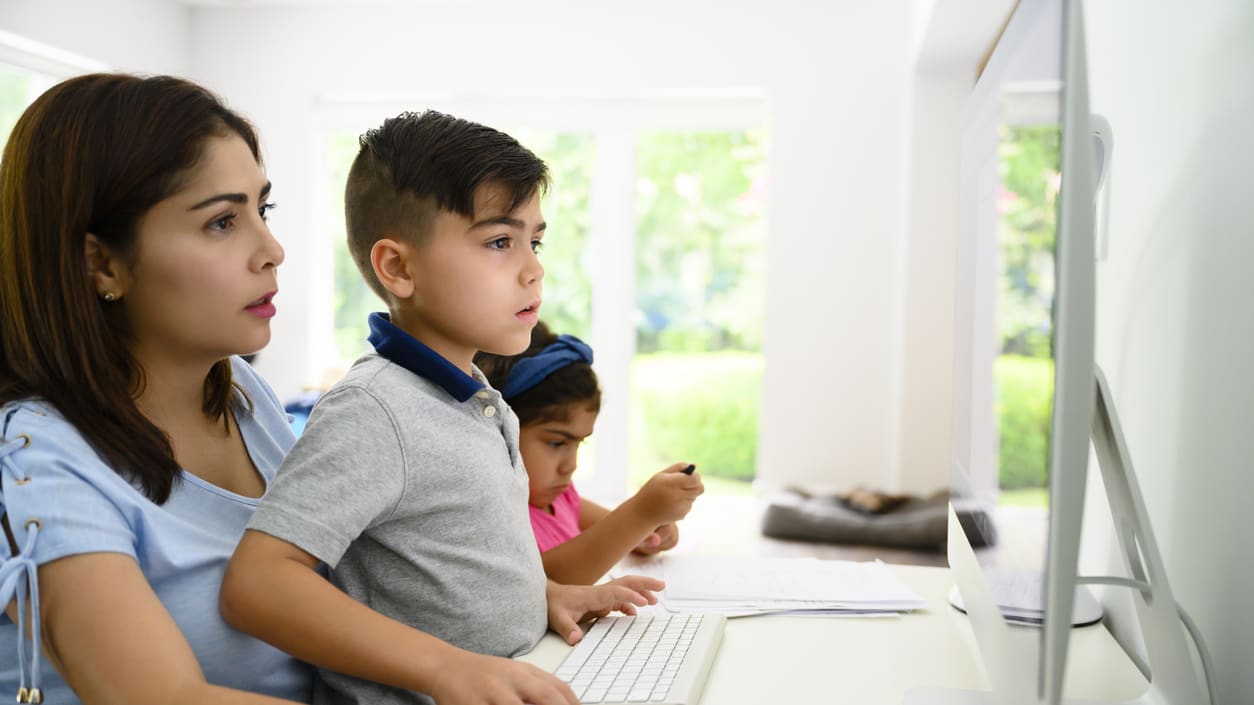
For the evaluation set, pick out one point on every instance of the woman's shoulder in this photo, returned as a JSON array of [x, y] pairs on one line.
[[24, 419]]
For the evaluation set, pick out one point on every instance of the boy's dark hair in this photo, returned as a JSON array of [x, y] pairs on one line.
[[416, 164], [94, 154], [551, 400]]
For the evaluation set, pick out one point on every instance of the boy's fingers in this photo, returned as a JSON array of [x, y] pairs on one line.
[[642, 581], [567, 627], [548, 688]]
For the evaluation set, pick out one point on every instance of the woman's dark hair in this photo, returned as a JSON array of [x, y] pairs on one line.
[[92, 155], [552, 399]]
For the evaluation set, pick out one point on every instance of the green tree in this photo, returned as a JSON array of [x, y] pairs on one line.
[[1029, 224], [700, 240]]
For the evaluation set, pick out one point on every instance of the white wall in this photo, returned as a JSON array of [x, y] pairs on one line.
[[836, 78], [1176, 300], [149, 36], [955, 36]]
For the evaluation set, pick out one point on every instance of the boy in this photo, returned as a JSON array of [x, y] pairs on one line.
[[407, 480]]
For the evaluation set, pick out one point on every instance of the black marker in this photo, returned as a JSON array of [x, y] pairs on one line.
[[688, 470]]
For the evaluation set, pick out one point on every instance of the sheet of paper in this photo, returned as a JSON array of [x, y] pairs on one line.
[[742, 586]]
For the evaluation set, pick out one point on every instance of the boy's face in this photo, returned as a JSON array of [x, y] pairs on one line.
[[550, 451], [477, 280]]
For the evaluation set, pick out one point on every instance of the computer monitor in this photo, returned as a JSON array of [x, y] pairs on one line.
[[1026, 287]]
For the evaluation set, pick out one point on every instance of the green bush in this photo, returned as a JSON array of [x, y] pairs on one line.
[[699, 407], [1025, 388]]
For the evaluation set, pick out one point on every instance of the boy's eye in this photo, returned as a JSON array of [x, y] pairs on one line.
[[501, 243], [264, 210], [536, 246]]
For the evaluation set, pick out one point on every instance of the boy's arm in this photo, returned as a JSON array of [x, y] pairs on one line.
[[601, 543], [272, 591]]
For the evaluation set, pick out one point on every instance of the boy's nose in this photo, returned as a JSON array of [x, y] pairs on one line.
[[532, 271]]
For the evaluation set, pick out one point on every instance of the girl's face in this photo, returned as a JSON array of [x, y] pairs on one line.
[[200, 283], [550, 450]]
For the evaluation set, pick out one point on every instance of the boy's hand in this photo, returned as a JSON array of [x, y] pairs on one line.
[[474, 679], [663, 538], [571, 604], [668, 495]]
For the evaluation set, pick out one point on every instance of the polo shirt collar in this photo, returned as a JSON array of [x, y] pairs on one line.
[[407, 351]]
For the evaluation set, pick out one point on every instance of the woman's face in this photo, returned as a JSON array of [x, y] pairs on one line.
[[200, 283]]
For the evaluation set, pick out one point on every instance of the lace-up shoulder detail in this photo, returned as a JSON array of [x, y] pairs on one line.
[[19, 579]]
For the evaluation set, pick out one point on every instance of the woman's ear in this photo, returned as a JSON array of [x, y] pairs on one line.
[[107, 271], [389, 259]]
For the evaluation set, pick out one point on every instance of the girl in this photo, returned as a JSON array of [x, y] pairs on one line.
[[554, 392], [135, 263]]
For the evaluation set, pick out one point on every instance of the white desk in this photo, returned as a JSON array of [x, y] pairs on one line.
[[873, 661]]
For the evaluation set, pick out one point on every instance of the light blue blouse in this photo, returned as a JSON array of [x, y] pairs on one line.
[[182, 546]]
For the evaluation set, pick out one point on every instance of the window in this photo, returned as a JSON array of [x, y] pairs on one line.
[[27, 69], [700, 259], [1027, 207], [19, 87]]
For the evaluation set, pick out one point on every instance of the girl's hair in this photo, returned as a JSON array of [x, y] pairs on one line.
[[552, 399], [92, 155]]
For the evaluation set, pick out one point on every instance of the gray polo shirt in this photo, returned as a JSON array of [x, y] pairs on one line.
[[418, 502]]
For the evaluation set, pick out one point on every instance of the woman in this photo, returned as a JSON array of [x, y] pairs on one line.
[[135, 262]]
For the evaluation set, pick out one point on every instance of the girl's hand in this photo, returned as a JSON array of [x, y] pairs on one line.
[[571, 604], [474, 679], [663, 538], [668, 495]]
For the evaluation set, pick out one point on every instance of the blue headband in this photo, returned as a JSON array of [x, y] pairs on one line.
[[530, 371]]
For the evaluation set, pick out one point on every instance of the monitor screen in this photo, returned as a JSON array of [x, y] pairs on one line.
[[1028, 396], [1023, 363]]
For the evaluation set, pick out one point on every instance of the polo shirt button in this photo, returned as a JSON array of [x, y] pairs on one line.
[[489, 411]]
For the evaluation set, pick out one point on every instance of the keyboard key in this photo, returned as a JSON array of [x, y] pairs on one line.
[[639, 659]]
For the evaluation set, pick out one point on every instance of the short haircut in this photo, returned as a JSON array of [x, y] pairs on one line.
[[417, 164]]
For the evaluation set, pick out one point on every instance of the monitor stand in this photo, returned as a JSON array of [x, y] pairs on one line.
[[1170, 669], [1173, 679]]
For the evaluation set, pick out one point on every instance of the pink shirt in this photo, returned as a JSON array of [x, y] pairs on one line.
[[559, 527]]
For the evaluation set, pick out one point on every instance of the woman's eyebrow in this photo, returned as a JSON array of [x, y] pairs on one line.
[[230, 198]]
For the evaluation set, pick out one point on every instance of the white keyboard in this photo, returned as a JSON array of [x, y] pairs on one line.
[[660, 660]]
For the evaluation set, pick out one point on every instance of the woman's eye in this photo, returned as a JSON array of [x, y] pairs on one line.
[[556, 444], [226, 222], [264, 210], [501, 243]]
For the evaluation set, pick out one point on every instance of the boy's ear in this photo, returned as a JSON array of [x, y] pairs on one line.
[[108, 272], [390, 261]]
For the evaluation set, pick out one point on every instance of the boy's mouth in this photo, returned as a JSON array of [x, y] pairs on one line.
[[532, 308]]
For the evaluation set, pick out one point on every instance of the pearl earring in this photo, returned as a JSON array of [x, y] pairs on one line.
[[110, 296]]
